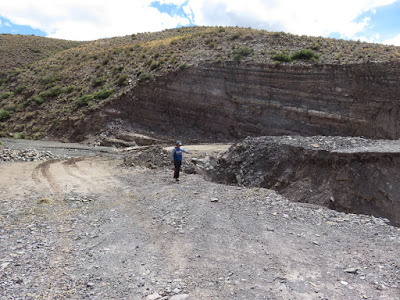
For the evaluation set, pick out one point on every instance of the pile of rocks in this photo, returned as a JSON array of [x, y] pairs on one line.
[[151, 157], [332, 143], [157, 157], [8, 155]]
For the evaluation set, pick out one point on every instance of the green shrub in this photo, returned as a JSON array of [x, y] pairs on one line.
[[4, 115], [282, 57], [117, 70], [15, 72], [49, 79], [19, 89], [315, 46], [84, 100], [154, 65], [239, 53], [70, 89], [122, 80], [19, 135], [54, 92], [235, 36], [38, 99], [6, 95], [305, 54], [98, 81], [143, 75], [103, 94]]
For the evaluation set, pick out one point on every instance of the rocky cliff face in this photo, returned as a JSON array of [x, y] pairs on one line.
[[226, 101]]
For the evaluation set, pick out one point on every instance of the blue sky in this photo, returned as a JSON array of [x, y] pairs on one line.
[[6, 26], [375, 21]]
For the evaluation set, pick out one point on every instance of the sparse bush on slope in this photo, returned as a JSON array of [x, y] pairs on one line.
[[4, 115]]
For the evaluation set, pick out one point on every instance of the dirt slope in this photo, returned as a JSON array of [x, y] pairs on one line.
[[91, 228]]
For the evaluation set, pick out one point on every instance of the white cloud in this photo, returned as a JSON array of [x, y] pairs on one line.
[[393, 41], [93, 19], [174, 2], [88, 20], [310, 17]]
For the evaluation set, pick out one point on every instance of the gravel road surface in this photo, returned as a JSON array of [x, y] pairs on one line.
[[86, 226]]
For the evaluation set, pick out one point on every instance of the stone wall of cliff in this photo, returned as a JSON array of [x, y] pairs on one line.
[[226, 101]]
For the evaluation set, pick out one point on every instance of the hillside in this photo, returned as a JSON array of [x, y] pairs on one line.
[[59, 94], [19, 51]]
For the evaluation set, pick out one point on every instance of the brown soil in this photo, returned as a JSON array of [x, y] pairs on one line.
[[93, 228]]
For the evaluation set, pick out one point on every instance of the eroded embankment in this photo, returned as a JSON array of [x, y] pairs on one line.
[[229, 101], [346, 174]]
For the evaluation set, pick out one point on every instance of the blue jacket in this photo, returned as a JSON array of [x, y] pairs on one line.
[[176, 154]]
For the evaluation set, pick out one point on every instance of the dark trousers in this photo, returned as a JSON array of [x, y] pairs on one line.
[[177, 165]]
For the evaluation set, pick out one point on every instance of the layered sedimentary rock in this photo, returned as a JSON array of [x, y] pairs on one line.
[[231, 100]]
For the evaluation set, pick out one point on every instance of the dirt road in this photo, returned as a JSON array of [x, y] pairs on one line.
[[91, 228]]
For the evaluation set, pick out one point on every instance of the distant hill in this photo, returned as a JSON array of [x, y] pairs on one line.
[[18, 51], [50, 80]]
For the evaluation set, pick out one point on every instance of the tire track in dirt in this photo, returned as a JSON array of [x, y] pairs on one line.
[[42, 176], [79, 176], [78, 173]]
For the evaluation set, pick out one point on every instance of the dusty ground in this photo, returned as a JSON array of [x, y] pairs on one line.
[[91, 228]]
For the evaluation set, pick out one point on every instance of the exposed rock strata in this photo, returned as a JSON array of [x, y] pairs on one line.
[[225, 101], [346, 174]]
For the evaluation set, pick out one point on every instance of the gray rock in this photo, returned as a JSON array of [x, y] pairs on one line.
[[180, 297], [352, 270], [154, 296]]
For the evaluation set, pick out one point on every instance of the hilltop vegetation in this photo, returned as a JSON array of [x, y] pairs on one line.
[[53, 85], [18, 51]]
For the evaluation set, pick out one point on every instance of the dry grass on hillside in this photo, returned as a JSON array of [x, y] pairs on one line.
[[18, 51], [72, 82]]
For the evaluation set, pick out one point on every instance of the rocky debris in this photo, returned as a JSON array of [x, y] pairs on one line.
[[149, 157], [79, 198], [146, 237], [352, 270], [117, 137], [342, 173], [204, 166], [9, 155], [138, 139], [112, 141], [158, 157]]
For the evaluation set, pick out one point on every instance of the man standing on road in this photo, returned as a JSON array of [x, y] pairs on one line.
[[176, 158]]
